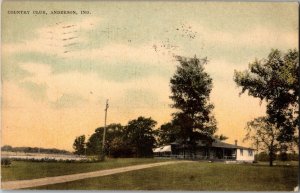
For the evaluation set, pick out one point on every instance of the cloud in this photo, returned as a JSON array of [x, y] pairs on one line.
[[90, 87], [259, 36], [67, 101], [55, 39], [221, 70], [117, 62], [16, 97], [142, 98], [118, 53], [11, 70], [60, 43], [37, 91]]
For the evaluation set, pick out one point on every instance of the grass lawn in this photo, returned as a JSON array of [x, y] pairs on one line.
[[21, 170], [195, 176]]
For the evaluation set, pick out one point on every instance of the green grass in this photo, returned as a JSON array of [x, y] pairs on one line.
[[194, 176], [21, 170]]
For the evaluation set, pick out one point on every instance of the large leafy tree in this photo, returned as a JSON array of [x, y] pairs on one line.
[[94, 144], [264, 135], [120, 147], [117, 142], [141, 136], [137, 138], [191, 87], [79, 145], [276, 81], [113, 131], [167, 133]]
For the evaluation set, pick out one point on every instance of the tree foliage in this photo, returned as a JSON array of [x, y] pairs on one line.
[[34, 150], [221, 137], [191, 87], [264, 135], [117, 144], [94, 144], [168, 133], [140, 134], [113, 131], [79, 145], [120, 148], [135, 139], [275, 80]]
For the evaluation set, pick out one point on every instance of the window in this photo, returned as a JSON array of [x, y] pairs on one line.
[[250, 152], [241, 152]]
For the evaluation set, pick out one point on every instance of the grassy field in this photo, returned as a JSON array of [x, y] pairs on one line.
[[195, 176], [21, 170]]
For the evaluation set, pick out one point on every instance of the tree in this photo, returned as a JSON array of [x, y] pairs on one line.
[[124, 141], [264, 135], [168, 133], [276, 81], [191, 87], [94, 144], [221, 137], [120, 148], [79, 145], [117, 144], [140, 135], [6, 148]]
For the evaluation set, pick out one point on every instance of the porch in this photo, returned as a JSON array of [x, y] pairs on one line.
[[203, 153]]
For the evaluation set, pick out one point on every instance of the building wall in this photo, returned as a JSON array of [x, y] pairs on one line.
[[245, 156]]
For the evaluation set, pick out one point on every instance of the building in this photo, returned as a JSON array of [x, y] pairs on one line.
[[217, 150]]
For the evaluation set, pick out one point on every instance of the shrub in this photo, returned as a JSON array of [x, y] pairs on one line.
[[283, 156], [5, 162], [263, 156], [52, 160], [293, 156]]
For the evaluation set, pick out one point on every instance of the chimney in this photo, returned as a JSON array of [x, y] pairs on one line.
[[235, 142]]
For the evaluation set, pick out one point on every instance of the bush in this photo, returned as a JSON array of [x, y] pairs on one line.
[[51, 160], [293, 156], [263, 156], [283, 156], [288, 156], [5, 162], [119, 148]]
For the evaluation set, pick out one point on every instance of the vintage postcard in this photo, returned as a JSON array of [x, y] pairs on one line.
[[150, 95]]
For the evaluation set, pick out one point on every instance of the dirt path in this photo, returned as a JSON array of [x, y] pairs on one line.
[[11, 185]]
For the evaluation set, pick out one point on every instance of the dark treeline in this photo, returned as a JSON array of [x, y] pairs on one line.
[[264, 156], [136, 139], [33, 150]]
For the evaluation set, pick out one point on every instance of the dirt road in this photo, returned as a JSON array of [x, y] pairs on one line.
[[12, 185]]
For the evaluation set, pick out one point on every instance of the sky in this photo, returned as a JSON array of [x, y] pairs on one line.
[[58, 70]]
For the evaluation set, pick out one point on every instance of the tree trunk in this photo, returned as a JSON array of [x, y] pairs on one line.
[[271, 162], [271, 158]]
